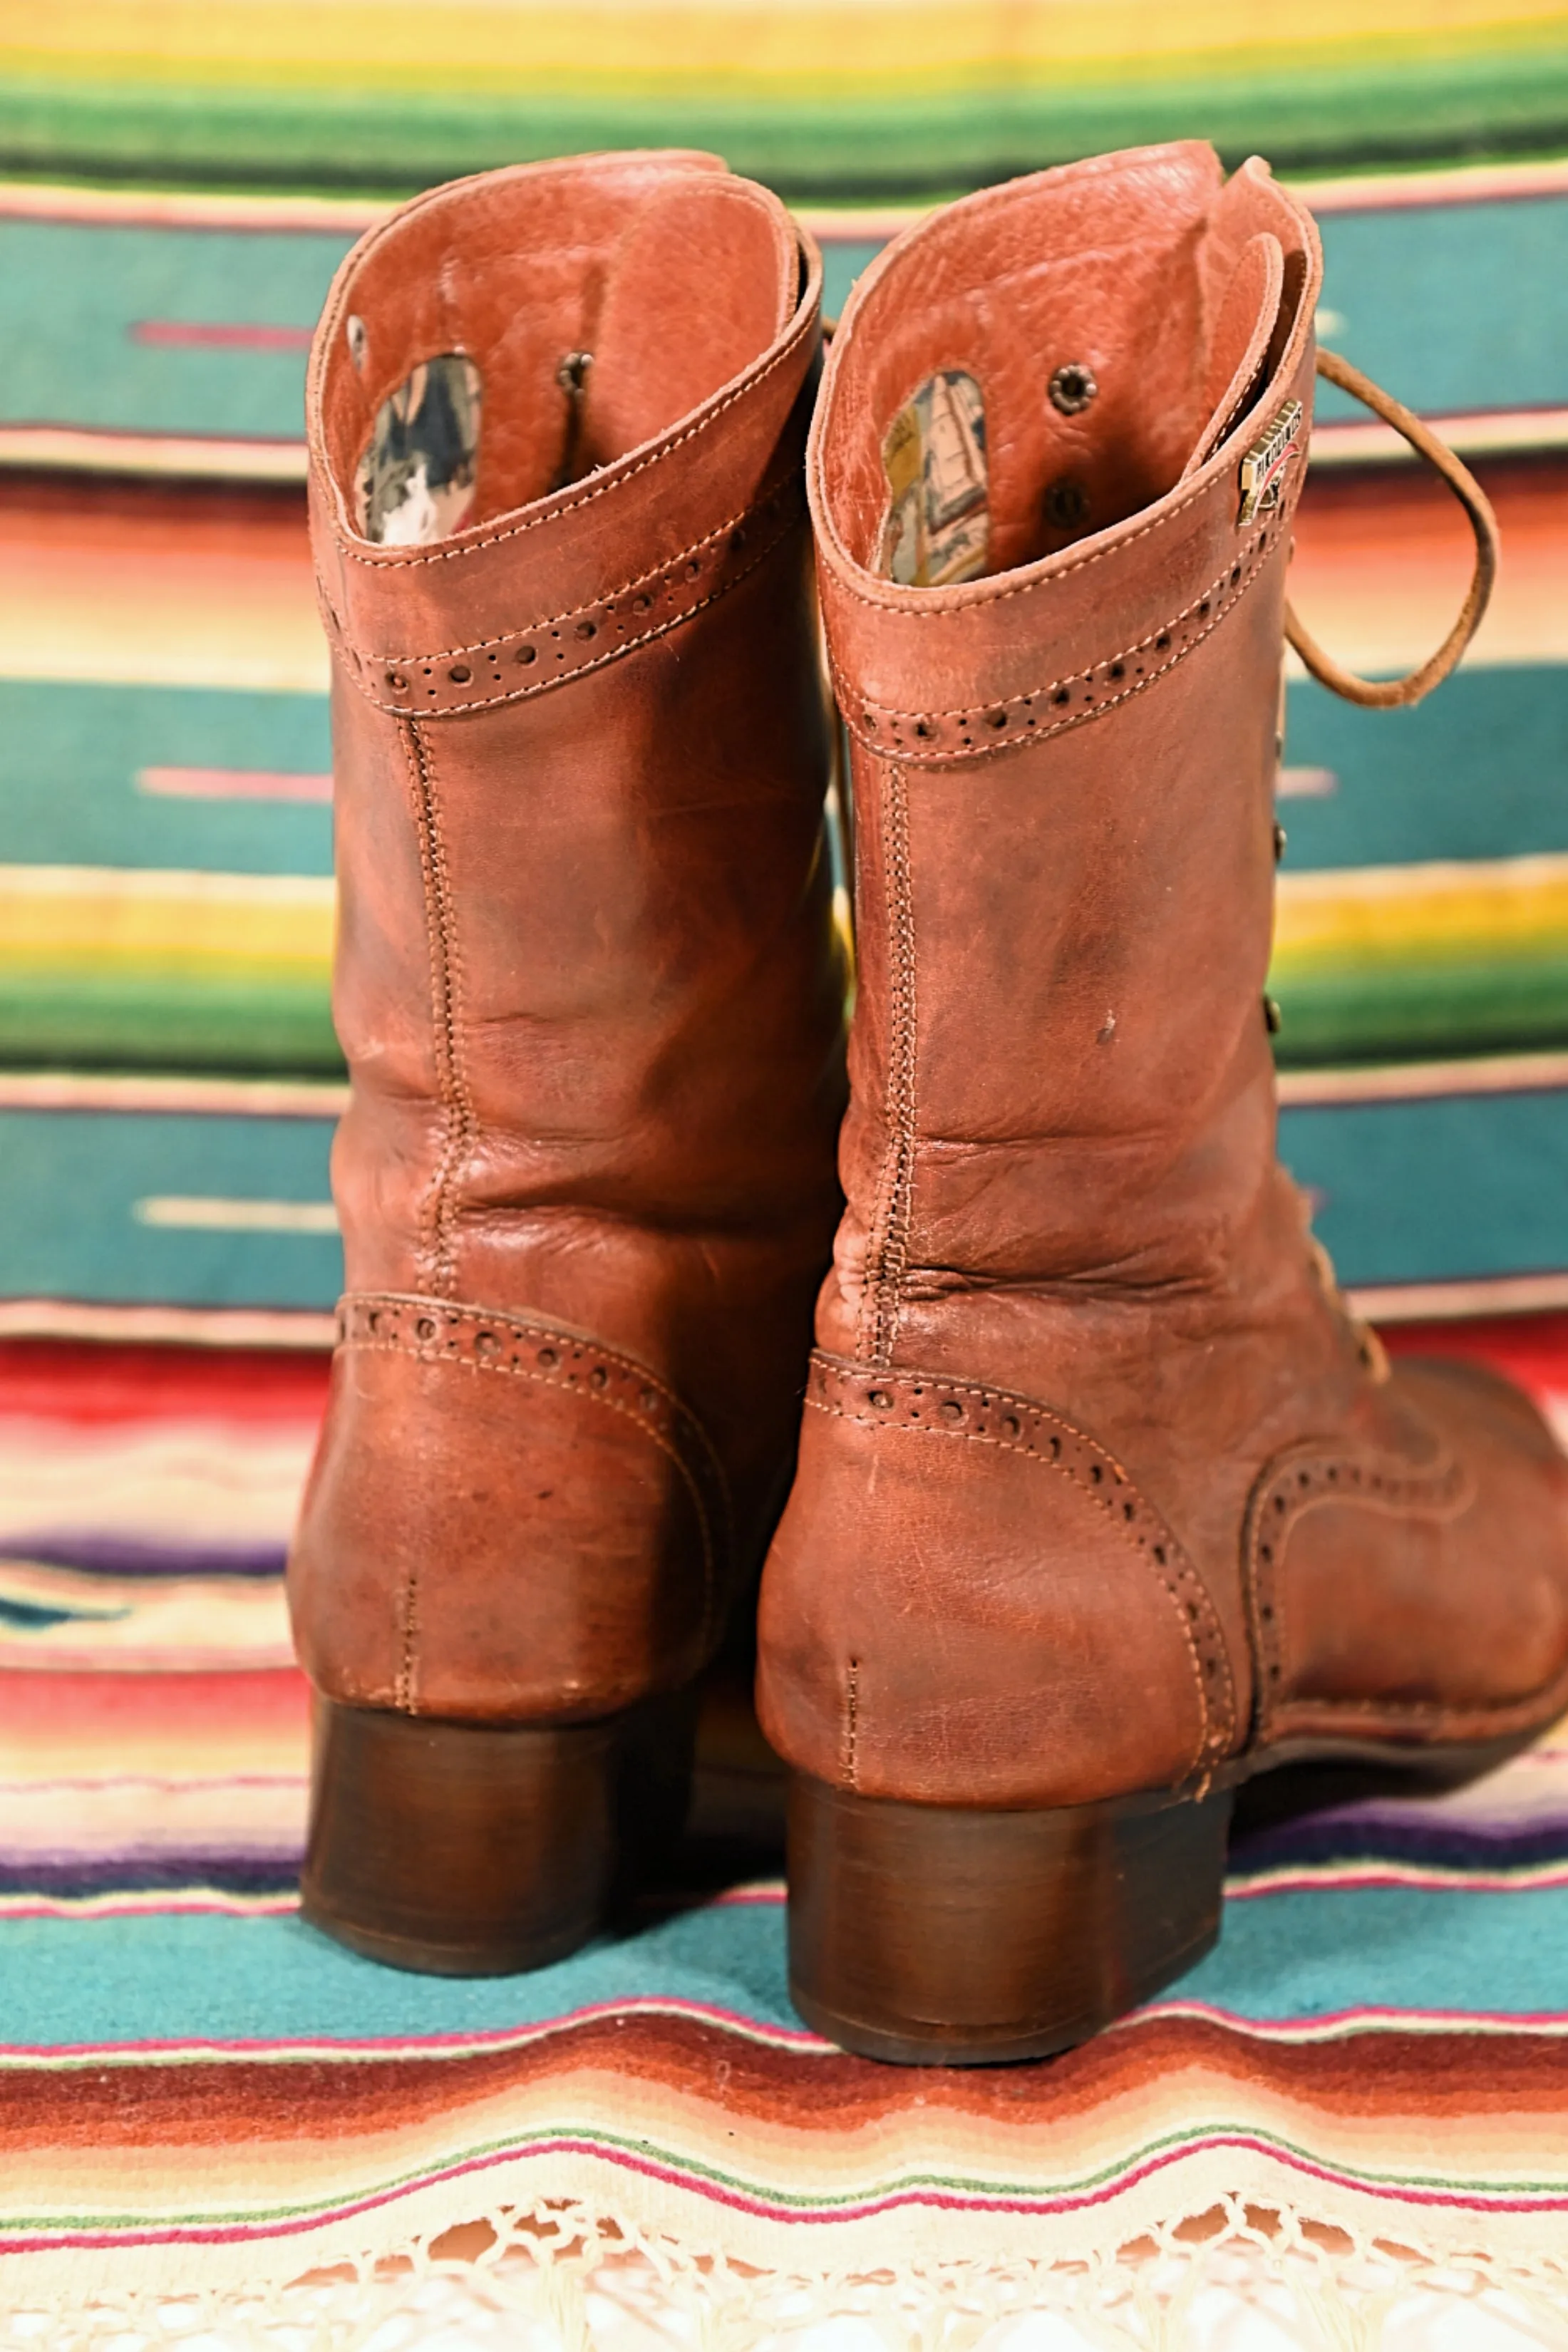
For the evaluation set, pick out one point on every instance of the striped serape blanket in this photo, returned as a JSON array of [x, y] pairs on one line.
[[201, 2098], [818, 94]]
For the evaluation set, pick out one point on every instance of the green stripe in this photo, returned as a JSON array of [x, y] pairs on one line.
[[111, 1021], [1190, 2139], [1384, 106], [1387, 1012], [1419, 1007]]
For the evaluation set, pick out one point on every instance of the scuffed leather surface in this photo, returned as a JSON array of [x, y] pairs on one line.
[[501, 1491], [1413, 1587], [586, 981], [1062, 1608], [1059, 1155]]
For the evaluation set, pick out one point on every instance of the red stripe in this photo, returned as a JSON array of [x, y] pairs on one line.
[[1531, 1349], [84, 1381], [191, 335], [274, 1700]]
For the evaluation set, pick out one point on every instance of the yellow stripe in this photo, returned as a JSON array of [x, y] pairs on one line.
[[96, 920], [725, 47], [1394, 913]]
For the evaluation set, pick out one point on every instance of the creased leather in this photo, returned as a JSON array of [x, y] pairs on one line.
[[588, 981], [1059, 1158]]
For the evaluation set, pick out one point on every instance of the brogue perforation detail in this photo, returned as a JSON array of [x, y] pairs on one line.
[[524, 662], [473, 1339], [1293, 1485], [934, 1404], [982, 730]]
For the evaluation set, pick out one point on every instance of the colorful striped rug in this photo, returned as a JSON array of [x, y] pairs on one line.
[[926, 94], [198, 2095], [168, 332]]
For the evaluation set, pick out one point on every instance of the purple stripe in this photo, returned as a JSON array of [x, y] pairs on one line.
[[59, 1879], [95, 1554], [1394, 1835]]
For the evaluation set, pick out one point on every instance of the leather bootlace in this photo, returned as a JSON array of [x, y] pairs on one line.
[[1392, 693]]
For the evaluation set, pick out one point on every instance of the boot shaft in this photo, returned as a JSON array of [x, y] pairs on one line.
[[1063, 722], [585, 972], [587, 979]]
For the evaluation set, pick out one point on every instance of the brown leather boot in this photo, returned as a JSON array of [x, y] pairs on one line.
[[589, 992], [1104, 1501]]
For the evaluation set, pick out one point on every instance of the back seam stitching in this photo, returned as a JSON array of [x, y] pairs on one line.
[[458, 1112], [888, 1250]]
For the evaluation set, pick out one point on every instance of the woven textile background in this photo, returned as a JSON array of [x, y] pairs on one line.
[[864, 95], [195, 2093]]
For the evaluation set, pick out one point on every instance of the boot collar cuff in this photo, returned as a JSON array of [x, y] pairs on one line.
[[1177, 298], [527, 599], [933, 677]]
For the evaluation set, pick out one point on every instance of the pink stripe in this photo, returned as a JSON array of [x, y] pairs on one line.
[[153, 1780], [231, 784], [1527, 1879], [128, 1905], [190, 335]]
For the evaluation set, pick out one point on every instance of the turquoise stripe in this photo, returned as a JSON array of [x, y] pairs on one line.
[[1449, 1189], [1445, 1189], [1443, 304], [71, 294], [1478, 770], [69, 756], [1282, 1958], [1449, 308], [69, 1181], [1476, 773], [144, 1980]]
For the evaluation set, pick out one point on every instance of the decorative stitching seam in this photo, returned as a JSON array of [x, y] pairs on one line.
[[1006, 702], [1161, 1551], [600, 661], [600, 489], [559, 1335], [943, 754], [888, 1248], [852, 1722], [456, 1106], [626, 588], [1285, 1492], [470, 1324]]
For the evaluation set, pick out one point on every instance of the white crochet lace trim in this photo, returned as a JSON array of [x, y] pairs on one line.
[[565, 2277]]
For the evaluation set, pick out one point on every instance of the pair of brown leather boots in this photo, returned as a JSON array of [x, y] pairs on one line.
[[1103, 1502]]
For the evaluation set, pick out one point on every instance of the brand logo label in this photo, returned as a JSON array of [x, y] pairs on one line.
[[1263, 467]]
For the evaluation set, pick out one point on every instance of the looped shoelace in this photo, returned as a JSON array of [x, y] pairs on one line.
[[1391, 693]]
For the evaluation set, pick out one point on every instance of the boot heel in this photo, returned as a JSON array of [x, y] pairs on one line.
[[942, 1935], [461, 1848]]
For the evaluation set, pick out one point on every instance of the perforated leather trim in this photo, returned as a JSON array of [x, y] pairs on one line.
[[932, 1404], [980, 730], [1292, 1485], [529, 660], [474, 1338]]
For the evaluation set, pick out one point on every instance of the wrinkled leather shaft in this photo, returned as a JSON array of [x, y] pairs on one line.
[[587, 981], [1099, 1487]]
